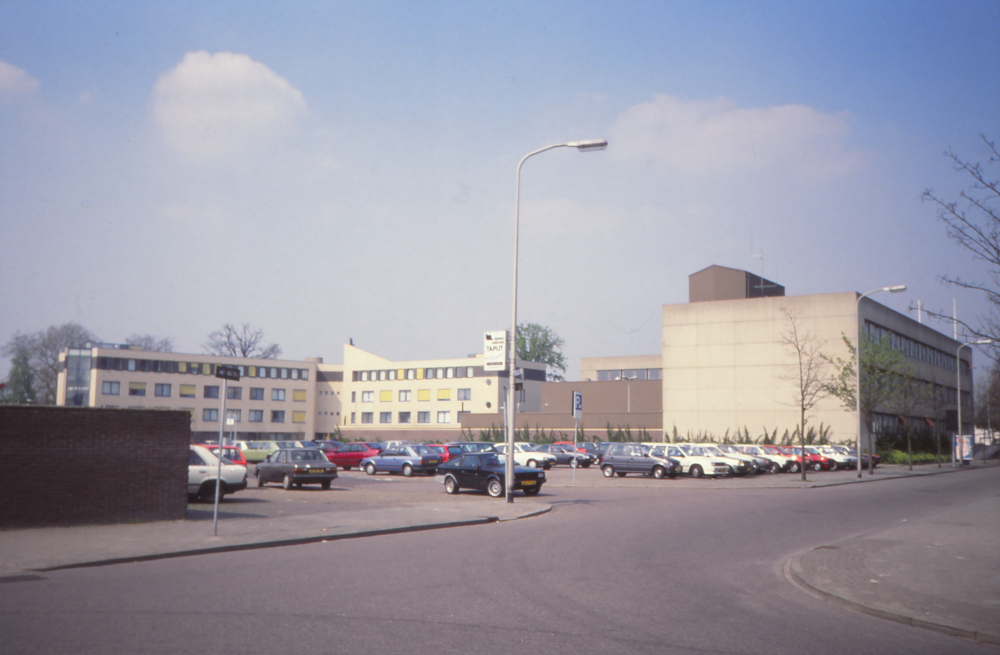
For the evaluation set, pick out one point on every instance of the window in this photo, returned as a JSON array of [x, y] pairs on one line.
[[385, 396], [364, 376], [235, 414], [210, 415], [423, 417], [404, 417], [468, 372], [428, 373], [298, 395], [449, 372], [444, 394], [277, 394], [444, 417], [162, 390], [295, 374], [277, 416], [423, 395], [256, 416], [352, 418], [367, 396], [404, 395], [464, 394], [187, 391], [354, 396], [111, 388], [385, 417], [410, 374], [440, 373], [366, 417], [256, 393], [137, 388], [273, 374], [298, 417], [211, 391], [234, 393]]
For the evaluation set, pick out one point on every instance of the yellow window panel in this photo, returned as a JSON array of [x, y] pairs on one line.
[[298, 417], [385, 395], [423, 394], [182, 367], [299, 395], [206, 369], [187, 390], [136, 386], [401, 374], [252, 372], [420, 376], [444, 394]]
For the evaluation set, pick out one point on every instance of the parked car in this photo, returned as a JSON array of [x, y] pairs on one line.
[[625, 458], [231, 453], [695, 460], [737, 465], [818, 461], [257, 451], [779, 461], [350, 454], [565, 455], [526, 455], [756, 464], [403, 459], [440, 450], [297, 466], [486, 471], [840, 459], [203, 471]]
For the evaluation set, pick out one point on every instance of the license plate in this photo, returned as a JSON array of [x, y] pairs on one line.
[[432, 461], [316, 470], [527, 483]]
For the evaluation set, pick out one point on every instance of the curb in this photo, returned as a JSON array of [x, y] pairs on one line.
[[791, 573], [298, 541]]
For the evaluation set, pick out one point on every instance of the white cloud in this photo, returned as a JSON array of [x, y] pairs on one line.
[[712, 137], [212, 106], [15, 81]]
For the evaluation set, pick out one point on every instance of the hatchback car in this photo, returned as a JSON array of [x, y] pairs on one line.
[[350, 454], [203, 471], [403, 459], [625, 458], [297, 466], [487, 472], [232, 453]]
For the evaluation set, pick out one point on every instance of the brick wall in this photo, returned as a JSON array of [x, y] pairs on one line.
[[78, 465]]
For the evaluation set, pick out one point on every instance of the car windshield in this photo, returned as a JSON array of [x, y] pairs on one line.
[[307, 456], [711, 450]]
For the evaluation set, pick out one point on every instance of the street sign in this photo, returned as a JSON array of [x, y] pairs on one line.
[[577, 405], [227, 373], [495, 351]]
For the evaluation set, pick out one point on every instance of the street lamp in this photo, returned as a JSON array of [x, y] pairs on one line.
[[958, 380], [582, 146], [857, 386]]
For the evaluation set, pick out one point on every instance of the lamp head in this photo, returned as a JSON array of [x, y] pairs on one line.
[[896, 289], [587, 146]]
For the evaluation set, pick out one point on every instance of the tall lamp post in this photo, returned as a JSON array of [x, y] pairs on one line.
[[958, 384], [582, 146], [857, 381]]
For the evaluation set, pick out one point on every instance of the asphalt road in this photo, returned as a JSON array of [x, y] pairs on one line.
[[653, 569]]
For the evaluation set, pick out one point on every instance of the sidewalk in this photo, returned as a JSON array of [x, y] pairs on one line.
[[941, 572]]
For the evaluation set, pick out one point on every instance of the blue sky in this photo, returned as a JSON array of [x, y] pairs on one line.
[[327, 171]]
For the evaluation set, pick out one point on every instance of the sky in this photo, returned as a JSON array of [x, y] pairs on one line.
[[327, 171]]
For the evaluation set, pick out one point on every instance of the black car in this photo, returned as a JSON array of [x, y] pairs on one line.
[[565, 455], [486, 472], [297, 466]]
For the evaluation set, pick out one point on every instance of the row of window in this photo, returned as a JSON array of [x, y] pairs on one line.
[[405, 417], [112, 388], [443, 373], [406, 395], [630, 374], [253, 416], [199, 368], [915, 349]]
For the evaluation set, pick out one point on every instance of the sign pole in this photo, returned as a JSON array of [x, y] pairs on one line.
[[577, 410], [226, 373]]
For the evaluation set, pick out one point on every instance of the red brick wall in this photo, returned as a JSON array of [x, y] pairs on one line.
[[78, 465]]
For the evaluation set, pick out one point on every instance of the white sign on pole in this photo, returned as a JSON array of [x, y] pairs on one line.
[[495, 350], [577, 405]]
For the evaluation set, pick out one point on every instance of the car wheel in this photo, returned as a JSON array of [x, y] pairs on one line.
[[533, 491], [451, 485], [207, 493], [532, 463], [775, 468], [573, 463], [407, 470], [658, 472], [325, 484], [696, 471], [609, 471], [370, 469], [794, 468], [817, 466], [833, 466], [494, 488], [286, 482], [260, 479]]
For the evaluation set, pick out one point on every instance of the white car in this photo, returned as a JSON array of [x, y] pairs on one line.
[[842, 460], [695, 460], [779, 461], [729, 450], [203, 470], [525, 455]]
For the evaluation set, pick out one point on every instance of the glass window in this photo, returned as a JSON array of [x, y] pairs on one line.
[[366, 417], [211, 391], [256, 416], [131, 364], [299, 395], [235, 414], [162, 390], [469, 372], [423, 417], [210, 415], [655, 373], [381, 375], [277, 394], [385, 417], [429, 374], [404, 395], [449, 372], [234, 393], [111, 388], [367, 396], [404, 417], [295, 373], [298, 417], [256, 393], [410, 374], [364, 376], [274, 373], [187, 391], [439, 374], [284, 374], [465, 394], [444, 417], [137, 388], [352, 417], [277, 416]]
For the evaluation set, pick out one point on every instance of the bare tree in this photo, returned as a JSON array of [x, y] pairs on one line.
[[911, 395], [808, 372], [973, 223], [151, 343], [44, 347], [246, 342], [936, 401]]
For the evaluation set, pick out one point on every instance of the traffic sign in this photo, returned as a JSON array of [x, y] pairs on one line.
[[577, 405], [227, 373]]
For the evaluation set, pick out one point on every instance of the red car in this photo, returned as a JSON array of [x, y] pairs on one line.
[[814, 460], [232, 453], [350, 454], [440, 450]]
